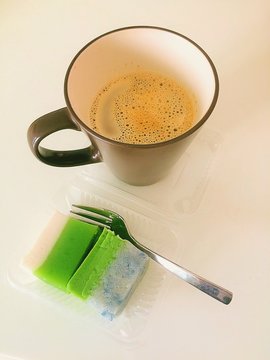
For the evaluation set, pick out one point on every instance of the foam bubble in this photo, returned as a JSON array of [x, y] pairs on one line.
[[143, 108]]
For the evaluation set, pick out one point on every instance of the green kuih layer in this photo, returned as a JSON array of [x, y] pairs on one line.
[[88, 276], [72, 246]]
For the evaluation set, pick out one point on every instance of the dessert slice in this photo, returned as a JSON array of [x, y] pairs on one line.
[[109, 274], [61, 249], [90, 272], [120, 280]]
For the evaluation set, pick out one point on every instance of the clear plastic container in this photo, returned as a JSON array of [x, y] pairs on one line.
[[152, 215]]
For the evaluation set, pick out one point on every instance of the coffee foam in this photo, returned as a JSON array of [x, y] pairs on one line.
[[142, 108]]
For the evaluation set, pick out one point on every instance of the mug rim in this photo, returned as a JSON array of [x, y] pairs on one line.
[[152, 145]]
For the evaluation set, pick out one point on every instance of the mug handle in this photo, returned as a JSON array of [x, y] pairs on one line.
[[50, 123]]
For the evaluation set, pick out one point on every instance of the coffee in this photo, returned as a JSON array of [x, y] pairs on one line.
[[142, 108]]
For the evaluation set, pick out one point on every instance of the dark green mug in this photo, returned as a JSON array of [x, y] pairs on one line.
[[116, 53]]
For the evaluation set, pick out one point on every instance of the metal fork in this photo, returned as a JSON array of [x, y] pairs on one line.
[[113, 221]]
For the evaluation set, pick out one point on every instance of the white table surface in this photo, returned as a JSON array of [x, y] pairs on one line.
[[226, 237]]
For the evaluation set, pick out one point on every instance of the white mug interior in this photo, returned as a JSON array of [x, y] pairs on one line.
[[140, 48]]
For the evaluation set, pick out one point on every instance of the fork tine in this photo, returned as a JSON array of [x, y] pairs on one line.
[[91, 211], [88, 220], [80, 213]]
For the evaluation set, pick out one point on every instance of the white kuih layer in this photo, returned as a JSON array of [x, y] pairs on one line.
[[46, 242]]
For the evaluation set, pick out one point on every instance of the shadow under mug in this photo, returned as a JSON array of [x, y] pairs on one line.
[[105, 58]]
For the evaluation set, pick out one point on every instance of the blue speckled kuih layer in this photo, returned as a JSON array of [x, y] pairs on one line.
[[119, 281]]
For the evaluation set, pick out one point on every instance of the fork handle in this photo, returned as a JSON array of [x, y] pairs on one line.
[[209, 288]]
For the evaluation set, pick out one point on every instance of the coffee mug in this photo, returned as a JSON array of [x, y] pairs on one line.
[[115, 55]]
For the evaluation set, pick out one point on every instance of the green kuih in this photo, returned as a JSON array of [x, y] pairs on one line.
[[88, 276], [72, 246]]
